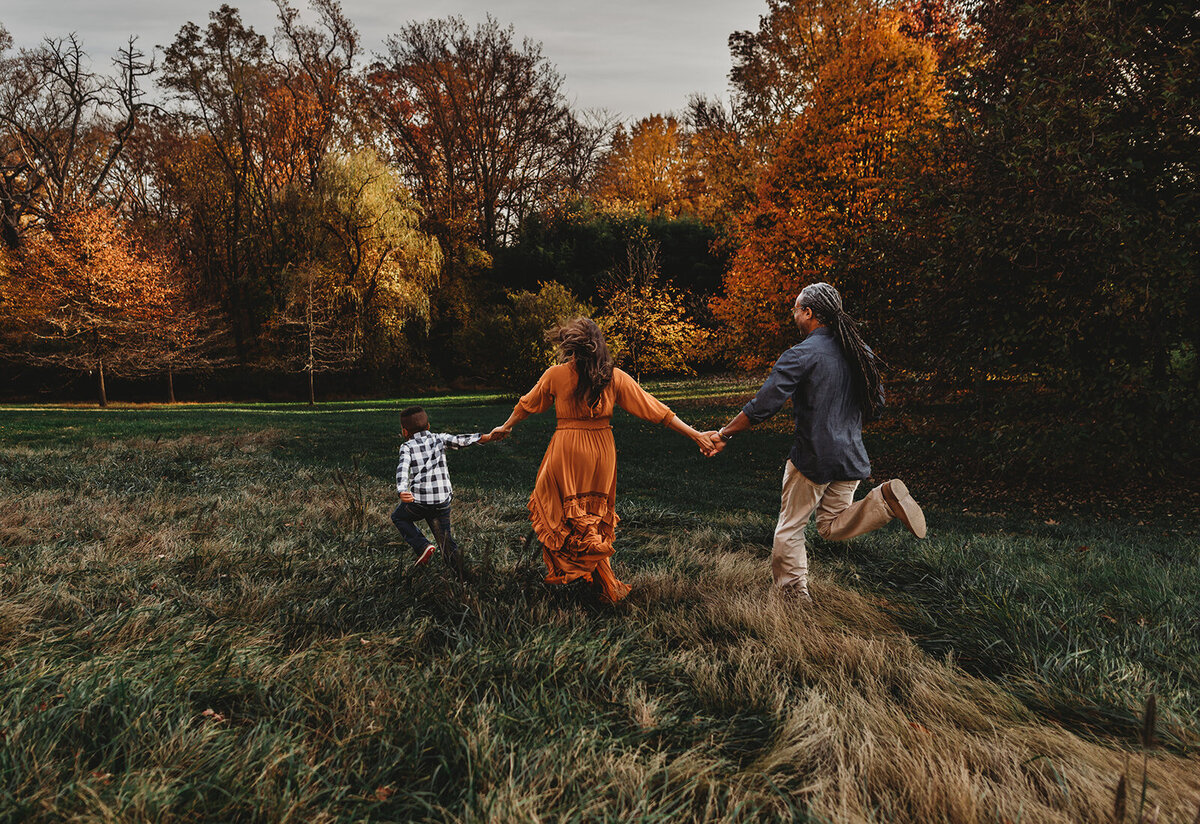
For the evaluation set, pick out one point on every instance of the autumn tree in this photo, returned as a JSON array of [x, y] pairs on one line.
[[86, 297], [364, 268], [776, 68], [832, 181], [651, 168], [726, 157], [585, 140], [62, 128], [255, 118], [775, 74], [477, 122], [645, 317]]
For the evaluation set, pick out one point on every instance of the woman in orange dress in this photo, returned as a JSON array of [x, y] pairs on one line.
[[573, 502]]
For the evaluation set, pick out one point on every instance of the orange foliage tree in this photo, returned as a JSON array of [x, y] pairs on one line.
[[84, 297], [652, 169], [832, 181]]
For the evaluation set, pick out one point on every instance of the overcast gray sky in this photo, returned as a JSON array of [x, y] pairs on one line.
[[632, 57]]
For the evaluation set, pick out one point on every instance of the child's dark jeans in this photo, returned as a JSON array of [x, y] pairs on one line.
[[437, 516]]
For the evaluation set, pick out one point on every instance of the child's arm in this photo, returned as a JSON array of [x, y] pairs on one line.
[[459, 441], [404, 475]]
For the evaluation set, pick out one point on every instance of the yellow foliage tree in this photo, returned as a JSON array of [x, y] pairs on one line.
[[366, 271], [645, 319]]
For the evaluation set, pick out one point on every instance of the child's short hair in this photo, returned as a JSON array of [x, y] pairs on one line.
[[414, 419]]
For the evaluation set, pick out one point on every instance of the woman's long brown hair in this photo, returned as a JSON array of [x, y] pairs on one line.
[[580, 340]]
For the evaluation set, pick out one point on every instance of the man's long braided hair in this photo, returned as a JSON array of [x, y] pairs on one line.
[[826, 306]]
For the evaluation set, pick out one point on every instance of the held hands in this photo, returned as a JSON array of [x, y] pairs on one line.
[[709, 446], [497, 434], [716, 443]]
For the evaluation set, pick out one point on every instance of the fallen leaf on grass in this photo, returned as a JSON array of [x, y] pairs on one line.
[[216, 717], [383, 793]]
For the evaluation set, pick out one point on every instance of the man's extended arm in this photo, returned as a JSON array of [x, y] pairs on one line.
[[770, 398]]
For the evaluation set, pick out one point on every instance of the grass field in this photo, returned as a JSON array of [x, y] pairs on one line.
[[205, 615]]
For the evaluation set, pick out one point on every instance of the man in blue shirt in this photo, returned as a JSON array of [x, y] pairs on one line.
[[833, 381]]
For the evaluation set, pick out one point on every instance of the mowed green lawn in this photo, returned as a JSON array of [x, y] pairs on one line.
[[205, 615]]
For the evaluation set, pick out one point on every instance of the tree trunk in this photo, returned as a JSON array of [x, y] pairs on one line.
[[170, 385], [312, 361], [100, 372]]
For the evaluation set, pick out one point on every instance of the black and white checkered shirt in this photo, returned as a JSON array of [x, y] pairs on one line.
[[423, 471]]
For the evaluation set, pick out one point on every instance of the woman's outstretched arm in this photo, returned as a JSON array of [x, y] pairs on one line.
[[637, 401], [701, 439], [538, 399], [505, 429]]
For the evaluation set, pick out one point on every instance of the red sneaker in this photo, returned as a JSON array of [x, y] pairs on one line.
[[426, 555]]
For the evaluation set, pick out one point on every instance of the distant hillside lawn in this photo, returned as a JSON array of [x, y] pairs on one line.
[[205, 615]]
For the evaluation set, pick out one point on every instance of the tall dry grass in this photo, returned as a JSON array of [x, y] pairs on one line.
[[211, 628]]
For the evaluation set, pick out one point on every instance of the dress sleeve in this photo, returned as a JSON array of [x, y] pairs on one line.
[[541, 396], [637, 401]]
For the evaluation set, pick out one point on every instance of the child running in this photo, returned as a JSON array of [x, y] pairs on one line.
[[423, 481]]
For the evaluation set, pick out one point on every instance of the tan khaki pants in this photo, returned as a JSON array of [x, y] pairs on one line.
[[839, 518]]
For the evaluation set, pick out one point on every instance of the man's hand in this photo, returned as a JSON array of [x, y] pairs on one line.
[[406, 497], [718, 443]]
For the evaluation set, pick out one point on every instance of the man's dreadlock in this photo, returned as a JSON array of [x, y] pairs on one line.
[[826, 306]]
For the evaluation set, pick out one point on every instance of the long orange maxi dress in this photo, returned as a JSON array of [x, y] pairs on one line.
[[573, 505]]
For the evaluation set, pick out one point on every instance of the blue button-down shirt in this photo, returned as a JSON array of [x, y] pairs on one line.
[[819, 379]]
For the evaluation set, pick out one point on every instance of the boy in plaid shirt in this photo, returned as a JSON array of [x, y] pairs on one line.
[[423, 481]]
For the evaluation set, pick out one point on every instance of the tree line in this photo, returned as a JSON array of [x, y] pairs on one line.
[[1004, 190]]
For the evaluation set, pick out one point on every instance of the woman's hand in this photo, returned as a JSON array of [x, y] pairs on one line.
[[715, 443], [707, 449], [499, 433]]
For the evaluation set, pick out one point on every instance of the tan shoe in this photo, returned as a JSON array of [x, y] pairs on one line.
[[796, 594], [904, 507]]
